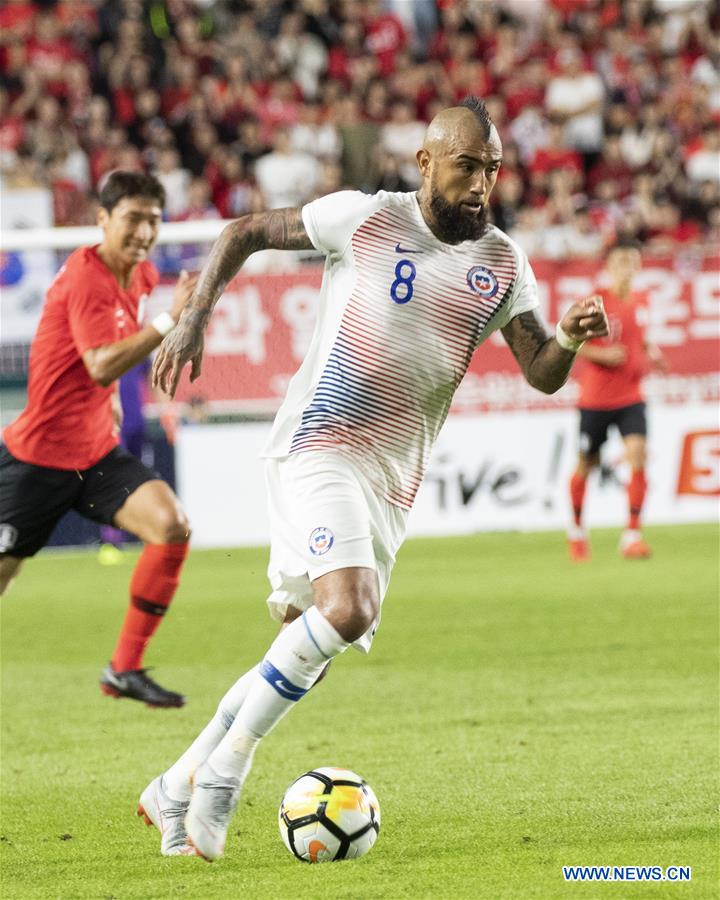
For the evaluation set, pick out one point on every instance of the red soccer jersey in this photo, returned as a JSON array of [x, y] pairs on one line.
[[606, 387], [68, 423]]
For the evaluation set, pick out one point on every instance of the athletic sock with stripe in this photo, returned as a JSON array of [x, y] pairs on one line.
[[290, 668], [177, 779]]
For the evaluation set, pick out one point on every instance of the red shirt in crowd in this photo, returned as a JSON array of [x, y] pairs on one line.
[[545, 159], [18, 19], [610, 387], [385, 37], [68, 422]]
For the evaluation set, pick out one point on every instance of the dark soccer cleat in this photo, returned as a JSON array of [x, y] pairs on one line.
[[136, 684]]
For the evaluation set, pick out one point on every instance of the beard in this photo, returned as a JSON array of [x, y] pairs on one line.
[[456, 223]]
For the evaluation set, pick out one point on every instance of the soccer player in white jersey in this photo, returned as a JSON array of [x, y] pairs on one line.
[[413, 284]]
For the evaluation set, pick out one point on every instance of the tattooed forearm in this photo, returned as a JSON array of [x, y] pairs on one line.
[[526, 336], [543, 361], [280, 229], [284, 230]]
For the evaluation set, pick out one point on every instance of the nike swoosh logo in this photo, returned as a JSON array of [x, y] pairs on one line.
[[285, 687], [399, 249]]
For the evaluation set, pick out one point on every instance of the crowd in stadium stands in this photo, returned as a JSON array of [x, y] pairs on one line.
[[609, 110]]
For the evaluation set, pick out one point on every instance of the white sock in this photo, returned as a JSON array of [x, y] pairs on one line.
[[177, 778], [290, 668]]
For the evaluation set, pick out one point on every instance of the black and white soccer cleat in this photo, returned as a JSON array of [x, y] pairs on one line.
[[136, 684]]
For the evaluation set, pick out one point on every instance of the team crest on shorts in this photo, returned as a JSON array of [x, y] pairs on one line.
[[8, 537], [483, 281], [321, 540]]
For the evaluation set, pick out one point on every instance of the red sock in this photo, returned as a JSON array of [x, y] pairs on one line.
[[152, 586], [636, 489], [577, 495]]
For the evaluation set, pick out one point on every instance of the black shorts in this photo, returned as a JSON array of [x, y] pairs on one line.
[[594, 424], [33, 498]]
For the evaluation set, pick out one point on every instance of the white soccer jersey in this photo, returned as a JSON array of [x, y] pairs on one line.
[[400, 316]]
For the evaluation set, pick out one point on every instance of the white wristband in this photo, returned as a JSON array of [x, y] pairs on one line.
[[565, 341], [164, 323]]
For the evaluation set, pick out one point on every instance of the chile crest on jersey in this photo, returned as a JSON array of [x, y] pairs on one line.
[[483, 281]]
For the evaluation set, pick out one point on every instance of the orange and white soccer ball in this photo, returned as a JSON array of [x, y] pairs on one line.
[[329, 814]]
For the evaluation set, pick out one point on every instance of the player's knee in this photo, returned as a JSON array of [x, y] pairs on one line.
[[637, 458], [367, 608], [359, 610], [171, 526]]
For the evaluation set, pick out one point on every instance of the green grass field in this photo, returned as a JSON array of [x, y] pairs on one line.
[[516, 714]]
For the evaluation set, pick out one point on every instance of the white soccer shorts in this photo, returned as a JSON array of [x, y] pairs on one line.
[[324, 515]]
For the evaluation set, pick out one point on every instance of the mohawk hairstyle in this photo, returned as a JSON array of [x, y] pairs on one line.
[[479, 110]]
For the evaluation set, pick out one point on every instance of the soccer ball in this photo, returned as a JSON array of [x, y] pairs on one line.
[[329, 814]]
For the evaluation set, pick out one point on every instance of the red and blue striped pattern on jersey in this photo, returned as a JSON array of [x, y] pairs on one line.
[[403, 345]]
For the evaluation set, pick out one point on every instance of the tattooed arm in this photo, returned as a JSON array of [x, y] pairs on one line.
[[278, 229], [544, 363]]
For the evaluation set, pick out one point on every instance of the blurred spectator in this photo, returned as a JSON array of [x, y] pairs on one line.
[[179, 88], [49, 51], [46, 129], [359, 138], [75, 163], [377, 101], [250, 145], [128, 159], [286, 177], [25, 172], [313, 135], [301, 53], [385, 36], [611, 165], [528, 230], [174, 179], [555, 153], [280, 108], [507, 200], [576, 96], [639, 137], [530, 132], [578, 238], [330, 178], [419, 21], [401, 138], [199, 202], [389, 175], [197, 145], [70, 202], [670, 230], [701, 205], [236, 194], [348, 48], [703, 157]]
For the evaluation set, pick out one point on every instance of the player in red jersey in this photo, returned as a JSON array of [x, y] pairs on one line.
[[611, 394], [62, 452]]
